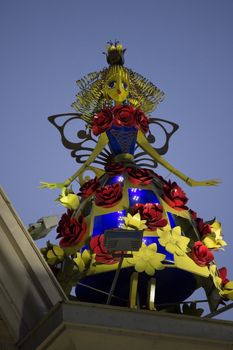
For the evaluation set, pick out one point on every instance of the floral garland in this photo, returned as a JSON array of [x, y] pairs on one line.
[[119, 116], [72, 229], [174, 195]]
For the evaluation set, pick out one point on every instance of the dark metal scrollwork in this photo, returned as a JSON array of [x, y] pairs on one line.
[[141, 157], [81, 150]]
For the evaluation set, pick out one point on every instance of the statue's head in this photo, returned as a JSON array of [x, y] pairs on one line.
[[115, 85]]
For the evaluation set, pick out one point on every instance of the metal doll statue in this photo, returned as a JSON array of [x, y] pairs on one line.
[[175, 256]]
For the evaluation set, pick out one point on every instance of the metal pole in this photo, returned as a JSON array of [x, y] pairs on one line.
[[114, 282], [219, 311]]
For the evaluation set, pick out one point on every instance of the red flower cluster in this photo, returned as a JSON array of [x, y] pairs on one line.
[[109, 195], [102, 121], [98, 247], [89, 187], [152, 213], [114, 168], [201, 254], [121, 116], [142, 121], [203, 228], [140, 176], [223, 275], [174, 195], [71, 230]]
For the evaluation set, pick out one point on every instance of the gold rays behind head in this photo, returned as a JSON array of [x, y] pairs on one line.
[[92, 96]]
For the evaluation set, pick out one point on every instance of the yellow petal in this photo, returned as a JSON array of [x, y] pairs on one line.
[[176, 232], [213, 269], [228, 285], [171, 248], [131, 261], [70, 201], [179, 251], [50, 254], [58, 250], [126, 227], [79, 262], [216, 227], [222, 243], [182, 244], [184, 240], [140, 266], [143, 245], [81, 266], [134, 222], [77, 258], [152, 247], [209, 242], [52, 261], [86, 256], [156, 261], [227, 294], [149, 270], [159, 232], [165, 238]]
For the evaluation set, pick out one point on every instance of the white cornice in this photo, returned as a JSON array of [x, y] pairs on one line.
[[28, 289]]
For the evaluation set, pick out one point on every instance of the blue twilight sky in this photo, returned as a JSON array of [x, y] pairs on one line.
[[183, 46]]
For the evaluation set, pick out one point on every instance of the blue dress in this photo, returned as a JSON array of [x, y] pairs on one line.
[[173, 285]]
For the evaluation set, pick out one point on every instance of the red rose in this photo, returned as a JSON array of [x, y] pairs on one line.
[[223, 275], [152, 213], [123, 115], [115, 168], [140, 176], [70, 230], [203, 228], [89, 187], [98, 247], [142, 122], [109, 195], [201, 254], [102, 121], [174, 195]]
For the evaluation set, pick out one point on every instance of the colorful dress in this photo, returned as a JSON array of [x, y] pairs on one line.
[[172, 232]]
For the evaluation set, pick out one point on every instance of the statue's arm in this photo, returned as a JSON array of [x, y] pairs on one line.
[[145, 145], [102, 142]]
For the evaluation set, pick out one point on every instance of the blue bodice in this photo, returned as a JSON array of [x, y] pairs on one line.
[[122, 139]]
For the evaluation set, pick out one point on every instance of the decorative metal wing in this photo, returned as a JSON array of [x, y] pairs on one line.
[[160, 133], [84, 142]]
